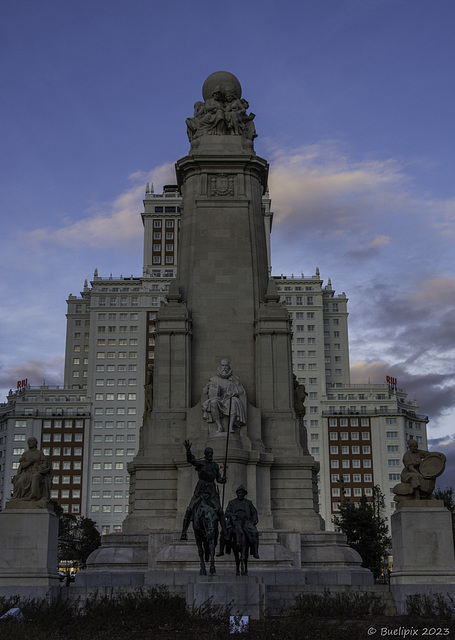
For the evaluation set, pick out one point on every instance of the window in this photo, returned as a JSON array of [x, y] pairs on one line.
[[366, 450]]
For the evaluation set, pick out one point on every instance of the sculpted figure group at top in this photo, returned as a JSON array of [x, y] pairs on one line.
[[223, 113]]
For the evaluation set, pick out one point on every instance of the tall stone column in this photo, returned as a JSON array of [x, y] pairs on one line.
[[223, 254]]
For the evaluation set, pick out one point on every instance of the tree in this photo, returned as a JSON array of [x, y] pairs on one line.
[[446, 495], [366, 529], [77, 538]]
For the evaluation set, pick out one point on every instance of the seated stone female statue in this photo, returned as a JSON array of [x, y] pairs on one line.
[[33, 479]]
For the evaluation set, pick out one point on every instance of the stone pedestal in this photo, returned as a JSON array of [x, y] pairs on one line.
[[422, 543], [244, 594], [28, 550]]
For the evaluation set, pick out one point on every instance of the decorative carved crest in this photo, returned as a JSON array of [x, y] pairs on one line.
[[222, 185]]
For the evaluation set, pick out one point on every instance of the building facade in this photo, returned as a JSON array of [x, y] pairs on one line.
[[59, 418]]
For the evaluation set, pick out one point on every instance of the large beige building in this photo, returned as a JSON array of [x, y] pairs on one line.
[[357, 434]]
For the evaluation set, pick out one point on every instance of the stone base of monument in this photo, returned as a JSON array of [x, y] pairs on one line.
[[244, 595], [28, 554], [289, 561], [423, 552], [422, 543]]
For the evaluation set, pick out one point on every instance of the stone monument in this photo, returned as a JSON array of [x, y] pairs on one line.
[[222, 316], [29, 529], [422, 538]]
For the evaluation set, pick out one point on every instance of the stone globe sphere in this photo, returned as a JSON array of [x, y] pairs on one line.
[[221, 80]]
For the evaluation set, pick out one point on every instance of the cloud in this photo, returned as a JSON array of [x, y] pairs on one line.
[[415, 321], [320, 187], [372, 371], [447, 447], [37, 372], [434, 291], [328, 204], [370, 249], [435, 392], [112, 224]]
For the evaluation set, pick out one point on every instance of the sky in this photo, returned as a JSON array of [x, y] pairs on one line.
[[354, 104]]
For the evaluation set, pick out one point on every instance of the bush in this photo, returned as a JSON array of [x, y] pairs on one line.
[[429, 605], [343, 604]]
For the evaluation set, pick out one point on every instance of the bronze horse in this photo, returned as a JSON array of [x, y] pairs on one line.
[[238, 541], [205, 526]]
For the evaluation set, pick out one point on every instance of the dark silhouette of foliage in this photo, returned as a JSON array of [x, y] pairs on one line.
[[446, 495], [366, 529], [77, 538]]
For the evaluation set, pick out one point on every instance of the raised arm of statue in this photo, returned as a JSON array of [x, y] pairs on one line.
[[189, 456]]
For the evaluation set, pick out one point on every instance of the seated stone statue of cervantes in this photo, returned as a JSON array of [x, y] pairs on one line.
[[224, 395]]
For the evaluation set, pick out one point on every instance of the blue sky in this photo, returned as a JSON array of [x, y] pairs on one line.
[[354, 103]]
